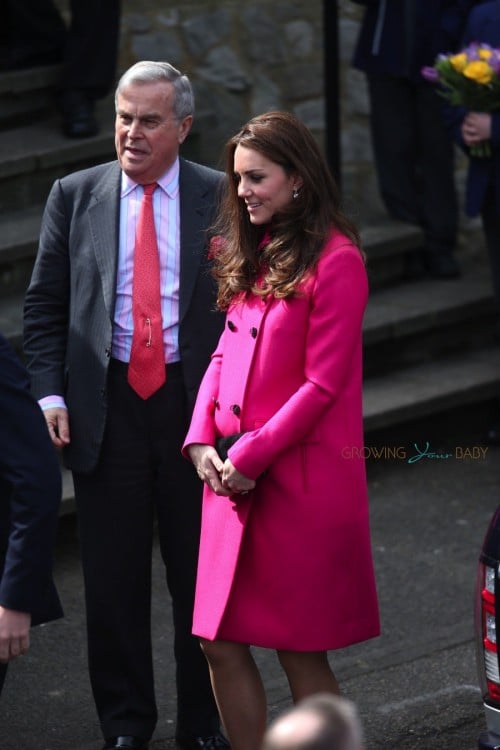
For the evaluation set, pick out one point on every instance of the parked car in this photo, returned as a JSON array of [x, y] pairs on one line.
[[487, 614]]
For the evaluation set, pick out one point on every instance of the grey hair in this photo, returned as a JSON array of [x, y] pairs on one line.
[[148, 71]]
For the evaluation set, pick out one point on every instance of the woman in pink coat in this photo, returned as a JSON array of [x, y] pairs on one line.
[[285, 558]]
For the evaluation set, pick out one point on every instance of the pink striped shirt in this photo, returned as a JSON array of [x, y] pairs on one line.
[[167, 222]]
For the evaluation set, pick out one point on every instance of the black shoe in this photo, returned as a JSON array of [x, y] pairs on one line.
[[443, 266], [78, 117], [214, 742], [493, 434], [125, 742]]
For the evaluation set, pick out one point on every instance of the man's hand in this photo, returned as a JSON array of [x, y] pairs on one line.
[[58, 425], [14, 634]]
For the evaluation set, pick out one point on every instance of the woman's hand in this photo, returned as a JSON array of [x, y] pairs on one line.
[[208, 465], [235, 482]]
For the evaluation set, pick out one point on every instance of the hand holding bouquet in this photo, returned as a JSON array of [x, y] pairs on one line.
[[471, 79]]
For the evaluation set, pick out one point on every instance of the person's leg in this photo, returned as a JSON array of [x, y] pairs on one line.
[[394, 141], [178, 502], [95, 25], [435, 150], [32, 33], [392, 122], [491, 224], [308, 672], [115, 517], [239, 692]]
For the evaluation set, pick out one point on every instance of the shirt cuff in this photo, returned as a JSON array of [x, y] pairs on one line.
[[52, 402]]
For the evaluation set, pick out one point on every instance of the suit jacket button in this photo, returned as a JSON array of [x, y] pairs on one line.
[[253, 332], [236, 409], [231, 326]]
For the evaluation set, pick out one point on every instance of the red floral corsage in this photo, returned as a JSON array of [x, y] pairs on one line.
[[215, 246]]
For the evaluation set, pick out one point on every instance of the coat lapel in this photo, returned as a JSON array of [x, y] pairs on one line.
[[104, 230], [195, 215]]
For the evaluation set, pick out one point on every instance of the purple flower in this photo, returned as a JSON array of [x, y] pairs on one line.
[[430, 74]]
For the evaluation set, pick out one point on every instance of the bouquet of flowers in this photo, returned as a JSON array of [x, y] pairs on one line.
[[471, 79]]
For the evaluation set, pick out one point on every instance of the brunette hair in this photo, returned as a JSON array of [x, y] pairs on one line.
[[294, 240]]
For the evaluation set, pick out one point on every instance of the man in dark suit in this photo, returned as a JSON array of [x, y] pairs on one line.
[[124, 448], [30, 495]]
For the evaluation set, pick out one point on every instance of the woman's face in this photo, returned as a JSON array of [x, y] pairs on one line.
[[263, 185]]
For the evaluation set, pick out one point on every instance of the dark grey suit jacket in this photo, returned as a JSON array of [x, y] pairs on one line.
[[70, 301]]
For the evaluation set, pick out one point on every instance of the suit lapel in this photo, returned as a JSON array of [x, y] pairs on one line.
[[195, 215], [104, 229]]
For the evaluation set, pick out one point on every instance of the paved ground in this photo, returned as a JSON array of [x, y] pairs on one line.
[[415, 686]]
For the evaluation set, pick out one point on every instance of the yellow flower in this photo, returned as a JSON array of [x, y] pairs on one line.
[[459, 61], [478, 71], [484, 53]]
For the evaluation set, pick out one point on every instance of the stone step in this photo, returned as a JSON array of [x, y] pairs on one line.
[[26, 95], [33, 156], [385, 246], [19, 232], [415, 322], [11, 319], [431, 388]]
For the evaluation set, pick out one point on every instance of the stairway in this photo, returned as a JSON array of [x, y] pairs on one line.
[[428, 345]]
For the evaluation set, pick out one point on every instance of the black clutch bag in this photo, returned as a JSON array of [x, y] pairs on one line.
[[223, 444]]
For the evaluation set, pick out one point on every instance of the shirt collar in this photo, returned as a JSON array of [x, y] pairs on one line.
[[169, 182]]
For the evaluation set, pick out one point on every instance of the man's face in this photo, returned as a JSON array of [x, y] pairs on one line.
[[147, 134]]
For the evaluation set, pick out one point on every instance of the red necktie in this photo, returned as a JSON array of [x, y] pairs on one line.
[[146, 371]]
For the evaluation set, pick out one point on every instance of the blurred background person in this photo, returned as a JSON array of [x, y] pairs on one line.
[[414, 155], [30, 496], [482, 192], [321, 722], [33, 33]]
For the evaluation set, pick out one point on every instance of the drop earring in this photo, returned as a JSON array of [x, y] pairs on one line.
[[295, 193]]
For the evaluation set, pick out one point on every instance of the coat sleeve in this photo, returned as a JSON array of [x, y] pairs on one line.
[[334, 336], [30, 489], [47, 301]]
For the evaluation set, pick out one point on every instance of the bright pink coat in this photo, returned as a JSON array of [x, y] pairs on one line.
[[289, 565]]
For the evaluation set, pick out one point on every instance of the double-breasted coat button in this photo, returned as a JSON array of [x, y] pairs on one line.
[[253, 332], [108, 353], [231, 326], [215, 403], [236, 409]]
